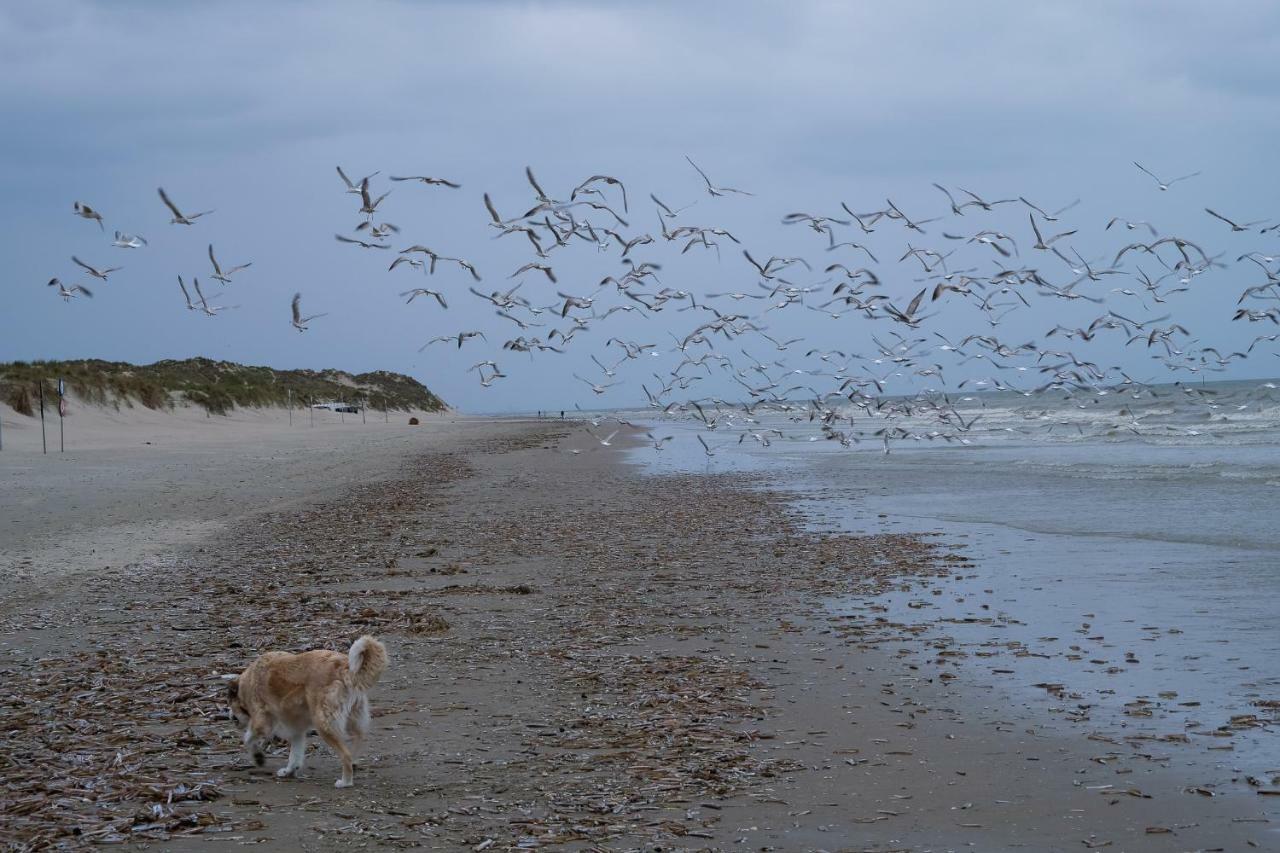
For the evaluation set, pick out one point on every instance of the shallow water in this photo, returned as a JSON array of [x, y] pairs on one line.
[[1141, 575]]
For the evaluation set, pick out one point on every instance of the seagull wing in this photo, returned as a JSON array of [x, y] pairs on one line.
[[528, 173], [700, 172], [1211, 213], [164, 197], [1148, 171], [488, 203]]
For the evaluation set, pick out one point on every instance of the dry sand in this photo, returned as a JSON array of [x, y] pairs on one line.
[[582, 658]]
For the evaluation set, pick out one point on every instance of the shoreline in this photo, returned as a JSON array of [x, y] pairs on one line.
[[623, 660]]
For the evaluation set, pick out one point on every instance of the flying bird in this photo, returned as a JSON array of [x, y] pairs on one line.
[[94, 271], [300, 322], [429, 181], [69, 293], [128, 241], [1163, 185], [221, 275], [84, 210], [422, 291], [353, 187], [711, 188], [178, 217], [1234, 226]]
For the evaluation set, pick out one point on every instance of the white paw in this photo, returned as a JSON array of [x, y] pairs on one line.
[[285, 772], [343, 783]]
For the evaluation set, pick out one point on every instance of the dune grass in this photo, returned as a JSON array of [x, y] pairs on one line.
[[217, 386]]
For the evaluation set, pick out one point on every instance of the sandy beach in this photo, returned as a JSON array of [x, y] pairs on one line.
[[583, 657]]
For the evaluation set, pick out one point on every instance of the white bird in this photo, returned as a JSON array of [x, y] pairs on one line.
[[1042, 243], [658, 442], [1130, 225], [128, 241], [368, 206], [300, 322], [606, 441], [1163, 185], [211, 310], [713, 190], [68, 293], [219, 274], [668, 212], [460, 338], [178, 217], [413, 262], [424, 179], [596, 387], [84, 210], [361, 243], [1234, 226], [422, 291], [354, 186], [94, 271]]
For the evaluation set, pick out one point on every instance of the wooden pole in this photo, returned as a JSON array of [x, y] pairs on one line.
[[43, 443], [312, 409], [290, 407], [364, 402], [62, 436]]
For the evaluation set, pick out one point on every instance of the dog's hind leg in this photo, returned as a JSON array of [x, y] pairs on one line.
[[358, 723], [297, 754], [339, 745]]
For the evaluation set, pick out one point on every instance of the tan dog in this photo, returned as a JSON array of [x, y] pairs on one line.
[[286, 695]]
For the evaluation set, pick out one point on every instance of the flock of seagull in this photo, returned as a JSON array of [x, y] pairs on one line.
[[850, 396]]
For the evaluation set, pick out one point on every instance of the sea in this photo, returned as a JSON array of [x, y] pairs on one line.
[[1125, 547]]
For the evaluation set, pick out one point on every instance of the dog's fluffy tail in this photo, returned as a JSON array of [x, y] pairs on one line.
[[367, 659]]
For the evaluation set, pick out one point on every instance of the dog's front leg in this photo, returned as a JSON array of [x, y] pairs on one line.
[[297, 754], [255, 738]]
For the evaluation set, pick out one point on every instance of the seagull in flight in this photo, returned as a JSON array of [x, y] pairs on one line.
[[224, 276], [668, 212], [300, 322], [422, 291], [128, 241], [1234, 226], [361, 243], [1163, 185], [1131, 225], [68, 293], [712, 189], [597, 388], [369, 206], [83, 210], [211, 310], [426, 179], [353, 187], [94, 271], [178, 217], [461, 338]]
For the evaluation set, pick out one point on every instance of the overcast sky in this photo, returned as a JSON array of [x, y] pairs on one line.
[[246, 108]]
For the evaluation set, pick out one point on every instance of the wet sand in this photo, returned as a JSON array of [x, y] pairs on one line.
[[582, 657]]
